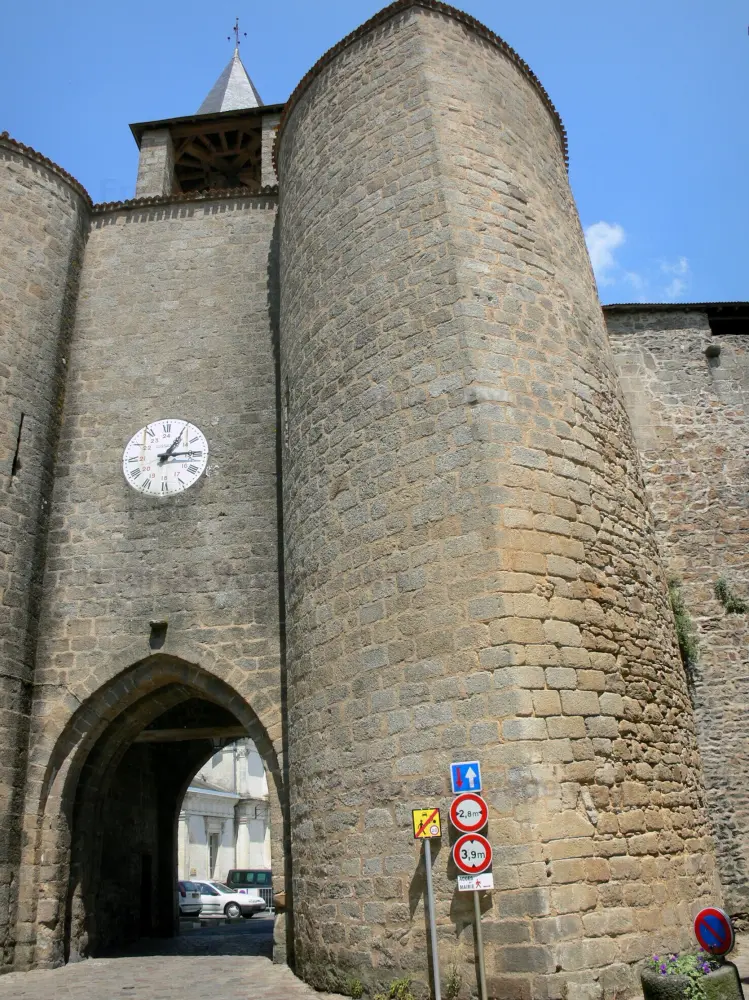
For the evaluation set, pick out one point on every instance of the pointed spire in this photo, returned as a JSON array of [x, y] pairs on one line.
[[232, 91]]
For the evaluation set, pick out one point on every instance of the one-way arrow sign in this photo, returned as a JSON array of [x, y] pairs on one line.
[[465, 776]]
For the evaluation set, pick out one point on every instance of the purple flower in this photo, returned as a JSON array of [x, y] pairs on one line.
[[656, 958], [705, 968], [663, 968]]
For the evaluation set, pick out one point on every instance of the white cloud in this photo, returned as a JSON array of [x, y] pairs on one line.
[[603, 238], [664, 281], [680, 275]]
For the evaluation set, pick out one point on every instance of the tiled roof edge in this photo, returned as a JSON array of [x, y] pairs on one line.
[[390, 11], [169, 199], [32, 154], [669, 306]]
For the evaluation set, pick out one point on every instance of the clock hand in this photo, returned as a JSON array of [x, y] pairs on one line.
[[166, 454], [172, 446]]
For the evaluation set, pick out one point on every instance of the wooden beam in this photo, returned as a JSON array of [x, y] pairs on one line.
[[248, 124], [179, 735]]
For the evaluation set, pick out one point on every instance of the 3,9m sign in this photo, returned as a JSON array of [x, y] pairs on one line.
[[472, 853]]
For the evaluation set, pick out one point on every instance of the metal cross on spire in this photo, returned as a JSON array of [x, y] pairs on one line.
[[235, 29]]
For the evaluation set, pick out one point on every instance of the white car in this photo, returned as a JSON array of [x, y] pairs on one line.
[[218, 899], [188, 899]]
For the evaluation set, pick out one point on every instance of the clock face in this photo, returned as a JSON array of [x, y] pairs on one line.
[[165, 457]]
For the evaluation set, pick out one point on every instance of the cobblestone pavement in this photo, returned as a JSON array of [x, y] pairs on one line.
[[208, 964]]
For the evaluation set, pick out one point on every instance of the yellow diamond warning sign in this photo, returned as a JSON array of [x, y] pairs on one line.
[[426, 823]]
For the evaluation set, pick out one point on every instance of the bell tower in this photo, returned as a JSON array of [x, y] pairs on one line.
[[226, 145]]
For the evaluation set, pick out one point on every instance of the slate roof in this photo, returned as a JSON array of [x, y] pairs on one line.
[[232, 91]]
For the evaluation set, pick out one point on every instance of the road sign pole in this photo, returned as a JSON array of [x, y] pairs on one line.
[[433, 921], [479, 944]]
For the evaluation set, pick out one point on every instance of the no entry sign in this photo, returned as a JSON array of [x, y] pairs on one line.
[[472, 853], [469, 812], [714, 930]]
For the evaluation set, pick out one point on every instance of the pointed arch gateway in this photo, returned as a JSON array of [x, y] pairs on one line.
[[110, 799]]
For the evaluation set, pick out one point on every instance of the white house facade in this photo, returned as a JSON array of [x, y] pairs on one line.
[[224, 820]]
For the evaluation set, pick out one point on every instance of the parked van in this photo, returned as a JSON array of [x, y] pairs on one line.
[[258, 880]]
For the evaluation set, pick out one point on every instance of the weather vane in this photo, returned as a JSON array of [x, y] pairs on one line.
[[235, 29]]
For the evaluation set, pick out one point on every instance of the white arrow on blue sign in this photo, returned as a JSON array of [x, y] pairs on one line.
[[465, 777]]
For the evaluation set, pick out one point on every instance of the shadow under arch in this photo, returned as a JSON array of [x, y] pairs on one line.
[[109, 802]]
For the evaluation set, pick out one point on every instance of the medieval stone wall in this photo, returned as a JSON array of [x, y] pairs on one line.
[[689, 415], [43, 219], [471, 567], [174, 320]]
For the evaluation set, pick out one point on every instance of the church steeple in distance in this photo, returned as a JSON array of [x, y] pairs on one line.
[[234, 89]]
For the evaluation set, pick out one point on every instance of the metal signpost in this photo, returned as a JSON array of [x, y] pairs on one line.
[[472, 853], [427, 824]]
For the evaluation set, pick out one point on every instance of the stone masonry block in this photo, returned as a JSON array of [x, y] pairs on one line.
[[524, 729], [591, 680], [580, 703], [547, 703], [562, 633], [573, 898], [569, 726], [561, 677]]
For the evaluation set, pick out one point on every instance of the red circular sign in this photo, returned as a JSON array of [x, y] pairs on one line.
[[469, 812], [714, 930], [472, 853]]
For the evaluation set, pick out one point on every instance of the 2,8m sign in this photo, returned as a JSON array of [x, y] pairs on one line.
[[469, 812]]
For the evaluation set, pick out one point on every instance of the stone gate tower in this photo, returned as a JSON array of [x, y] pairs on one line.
[[421, 536], [470, 563]]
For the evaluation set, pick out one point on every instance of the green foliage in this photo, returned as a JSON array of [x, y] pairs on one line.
[[685, 631], [355, 988], [693, 965], [453, 983], [399, 989], [733, 604]]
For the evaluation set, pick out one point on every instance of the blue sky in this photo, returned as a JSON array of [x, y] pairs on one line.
[[653, 94]]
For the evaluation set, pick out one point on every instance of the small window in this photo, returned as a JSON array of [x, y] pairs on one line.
[[213, 843], [262, 878]]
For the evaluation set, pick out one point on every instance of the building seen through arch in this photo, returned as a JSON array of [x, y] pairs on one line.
[[224, 819], [393, 492]]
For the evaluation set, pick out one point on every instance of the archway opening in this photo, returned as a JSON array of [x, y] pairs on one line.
[[224, 822], [124, 831]]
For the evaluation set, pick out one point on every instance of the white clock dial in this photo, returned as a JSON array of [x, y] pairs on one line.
[[165, 457]]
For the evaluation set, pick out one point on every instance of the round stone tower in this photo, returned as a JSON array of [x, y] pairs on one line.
[[471, 570], [43, 217]]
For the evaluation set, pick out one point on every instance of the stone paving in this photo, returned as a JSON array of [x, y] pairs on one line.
[[210, 964]]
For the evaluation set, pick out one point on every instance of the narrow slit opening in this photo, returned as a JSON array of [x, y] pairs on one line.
[[16, 466]]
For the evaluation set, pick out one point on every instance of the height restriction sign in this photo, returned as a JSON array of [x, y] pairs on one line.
[[472, 853], [469, 812]]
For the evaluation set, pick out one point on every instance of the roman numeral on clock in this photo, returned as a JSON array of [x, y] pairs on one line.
[[192, 469], [146, 486], [167, 427], [135, 473]]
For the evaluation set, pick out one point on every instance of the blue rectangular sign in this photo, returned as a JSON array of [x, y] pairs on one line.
[[465, 777]]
